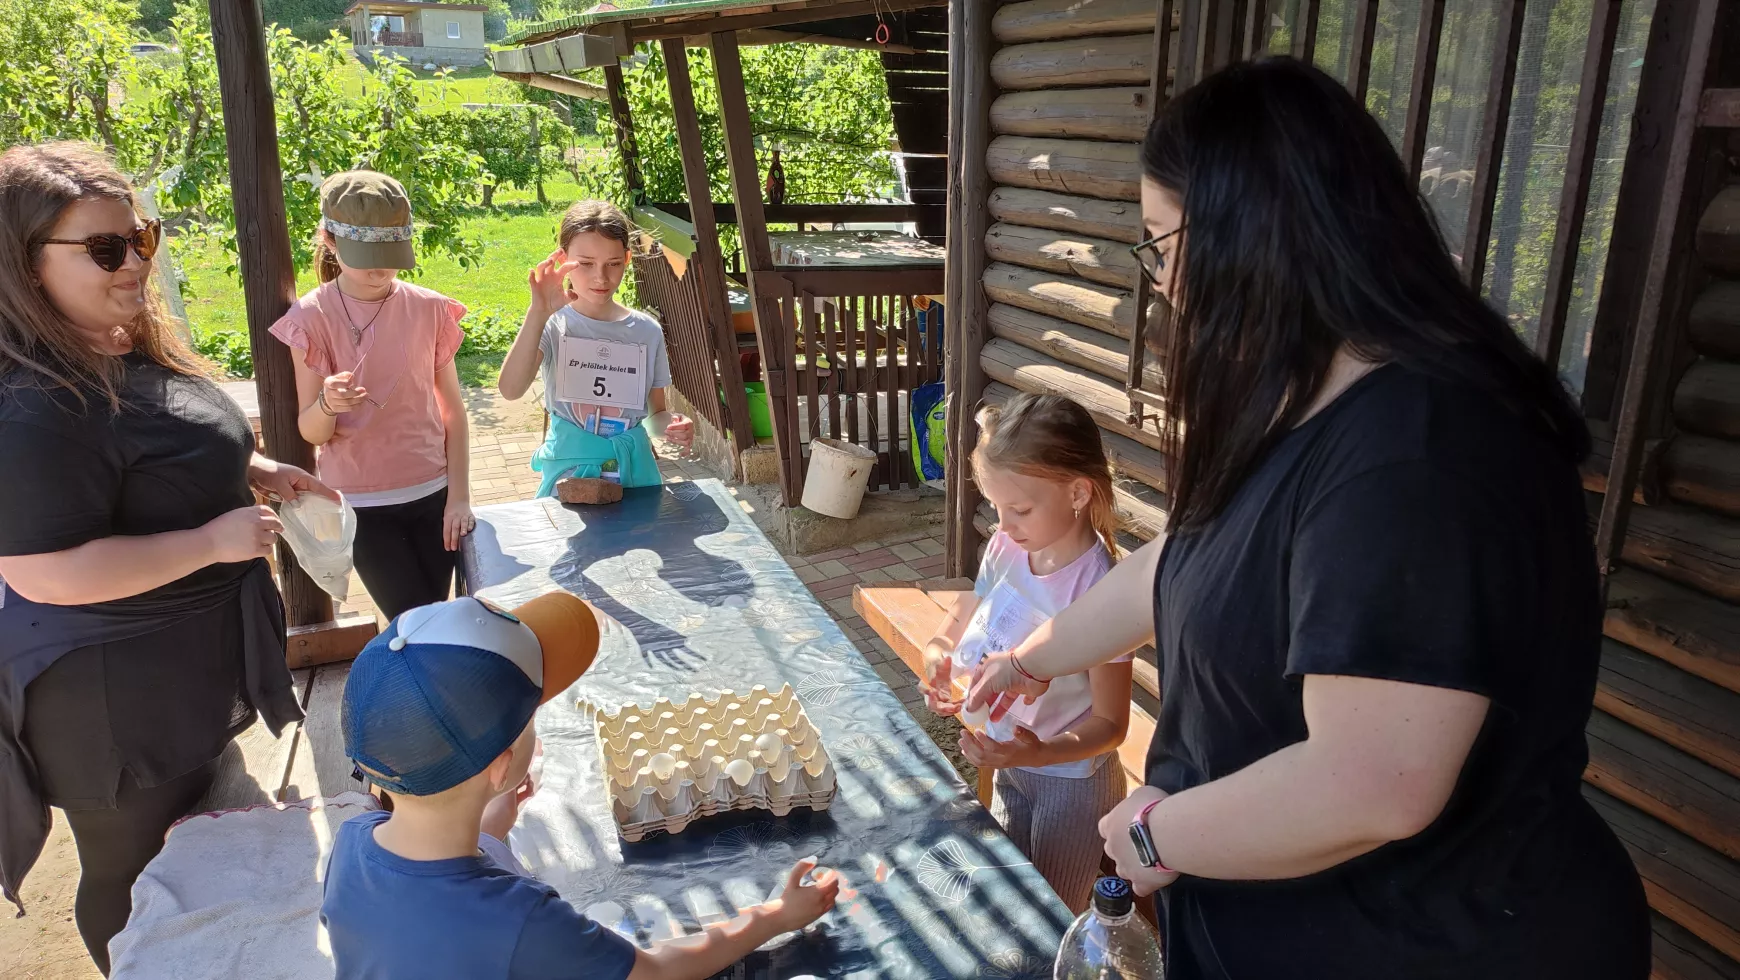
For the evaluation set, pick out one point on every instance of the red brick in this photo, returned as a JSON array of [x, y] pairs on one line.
[[836, 592], [839, 553], [833, 583], [880, 558], [928, 566]]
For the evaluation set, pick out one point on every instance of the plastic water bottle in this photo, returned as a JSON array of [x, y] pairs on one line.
[[1109, 941]]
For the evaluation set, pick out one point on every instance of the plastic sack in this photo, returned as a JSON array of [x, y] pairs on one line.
[[929, 425], [320, 532]]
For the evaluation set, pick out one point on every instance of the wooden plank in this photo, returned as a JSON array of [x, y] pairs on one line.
[[1413, 147], [1095, 259], [1600, 459], [1686, 545], [1684, 880], [1026, 370], [1707, 398], [325, 643], [1104, 308], [1112, 113], [1085, 167], [1125, 60], [969, 187], [1694, 632], [253, 767], [1676, 954], [263, 247], [1636, 394], [854, 347], [863, 281], [1713, 327], [1118, 221], [1687, 712], [812, 347], [1489, 149], [1364, 35], [318, 765], [776, 355], [1692, 797], [1305, 31], [712, 289], [871, 379], [1704, 472], [1718, 235], [891, 384], [1050, 20], [836, 369], [794, 391], [1067, 342], [1579, 169]]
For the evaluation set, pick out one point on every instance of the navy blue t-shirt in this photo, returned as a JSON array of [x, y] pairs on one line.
[[474, 918]]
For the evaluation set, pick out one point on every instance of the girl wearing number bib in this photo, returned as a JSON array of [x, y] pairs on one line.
[[380, 393], [603, 365], [1040, 462]]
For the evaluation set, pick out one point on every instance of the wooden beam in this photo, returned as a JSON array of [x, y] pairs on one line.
[[263, 248], [1420, 88], [626, 149], [725, 213], [1489, 152], [1629, 435], [326, 643], [560, 84], [709, 23], [777, 350], [710, 262], [1359, 54], [969, 193], [1305, 32]]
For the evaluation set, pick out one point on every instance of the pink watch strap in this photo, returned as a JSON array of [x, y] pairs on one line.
[[1142, 818]]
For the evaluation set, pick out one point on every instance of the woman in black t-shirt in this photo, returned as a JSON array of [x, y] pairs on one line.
[[1376, 605], [139, 627]]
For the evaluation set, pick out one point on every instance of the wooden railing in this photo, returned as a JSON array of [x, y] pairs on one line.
[[681, 307], [858, 349]]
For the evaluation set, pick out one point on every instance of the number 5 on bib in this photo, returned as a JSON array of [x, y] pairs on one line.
[[602, 372]]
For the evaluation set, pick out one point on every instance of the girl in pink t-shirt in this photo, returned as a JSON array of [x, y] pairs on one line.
[[1040, 462], [380, 393]]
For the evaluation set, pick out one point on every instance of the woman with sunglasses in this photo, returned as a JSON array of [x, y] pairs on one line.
[[1375, 606], [140, 630]]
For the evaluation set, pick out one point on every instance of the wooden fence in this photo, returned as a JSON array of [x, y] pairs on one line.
[[681, 307]]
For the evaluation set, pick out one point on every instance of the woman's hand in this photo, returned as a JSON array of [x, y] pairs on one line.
[[456, 521], [340, 396], [283, 482], [1115, 828], [997, 682], [242, 534], [938, 681], [987, 753], [547, 282]]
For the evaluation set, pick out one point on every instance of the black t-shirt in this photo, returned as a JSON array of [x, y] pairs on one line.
[[1412, 531]]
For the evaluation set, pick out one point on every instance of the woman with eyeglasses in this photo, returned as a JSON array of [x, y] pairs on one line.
[[1375, 606], [140, 630]]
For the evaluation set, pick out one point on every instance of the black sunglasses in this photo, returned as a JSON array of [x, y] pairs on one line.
[[1148, 254], [109, 252]]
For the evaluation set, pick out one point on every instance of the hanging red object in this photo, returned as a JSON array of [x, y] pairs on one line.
[[882, 34], [775, 187]]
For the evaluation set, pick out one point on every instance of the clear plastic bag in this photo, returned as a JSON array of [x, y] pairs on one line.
[[320, 532]]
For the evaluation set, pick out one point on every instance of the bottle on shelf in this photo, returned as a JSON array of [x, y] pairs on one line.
[[775, 186], [1109, 941]]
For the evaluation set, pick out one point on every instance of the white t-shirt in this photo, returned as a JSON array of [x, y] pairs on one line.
[[1012, 603], [636, 328]]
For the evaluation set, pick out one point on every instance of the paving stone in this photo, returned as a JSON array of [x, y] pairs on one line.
[[907, 551], [808, 574], [831, 568], [873, 576], [889, 675], [842, 605], [866, 546], [901, 573], [837, 553], [873, 559]]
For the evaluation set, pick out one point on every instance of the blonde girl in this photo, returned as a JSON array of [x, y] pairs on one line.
[[614, 372], [1039, 461], [380, 393]]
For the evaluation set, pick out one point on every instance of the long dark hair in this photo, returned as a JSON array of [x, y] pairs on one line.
[[1304, 232]]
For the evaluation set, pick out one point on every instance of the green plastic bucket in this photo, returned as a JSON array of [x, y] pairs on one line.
[[760, 414]]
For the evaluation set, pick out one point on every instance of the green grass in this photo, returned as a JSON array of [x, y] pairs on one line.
[[462, 85]]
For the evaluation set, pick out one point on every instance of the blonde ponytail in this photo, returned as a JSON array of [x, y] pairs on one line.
[[1053, 438]]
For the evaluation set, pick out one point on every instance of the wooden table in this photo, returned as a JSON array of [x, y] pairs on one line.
[[852, 249], [699, 601]]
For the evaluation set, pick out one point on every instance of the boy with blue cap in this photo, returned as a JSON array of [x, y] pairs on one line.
[[438, 713]]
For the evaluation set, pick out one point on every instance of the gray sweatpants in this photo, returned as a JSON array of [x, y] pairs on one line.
[[1054, 820]]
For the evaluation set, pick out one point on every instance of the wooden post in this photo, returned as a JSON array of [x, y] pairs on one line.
[[537, 154], [263, 244], [778, 351], [709, 261], [964, 314], [627, 151]]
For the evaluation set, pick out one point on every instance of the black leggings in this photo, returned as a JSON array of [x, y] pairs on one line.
[[115, 845], [400, 555]]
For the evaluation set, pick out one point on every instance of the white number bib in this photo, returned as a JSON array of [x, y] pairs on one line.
[[602, 372]]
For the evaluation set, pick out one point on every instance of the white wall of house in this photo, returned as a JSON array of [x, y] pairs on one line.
[[452, 28]]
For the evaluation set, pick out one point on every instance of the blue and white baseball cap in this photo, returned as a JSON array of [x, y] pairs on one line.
[[448, 687]]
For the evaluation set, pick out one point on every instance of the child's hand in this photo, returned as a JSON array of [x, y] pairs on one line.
[[546, 282], [988, 753], [681, 431], [341, 396], [938, 682], [800, 904], [456, 522]]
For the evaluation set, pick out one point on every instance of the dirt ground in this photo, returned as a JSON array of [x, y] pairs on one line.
[[45, 945]]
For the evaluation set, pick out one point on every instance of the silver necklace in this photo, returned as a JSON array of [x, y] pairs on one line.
[[356, 332]]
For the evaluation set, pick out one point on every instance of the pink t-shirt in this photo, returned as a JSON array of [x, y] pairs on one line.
[[1013, 602], [396, 439]]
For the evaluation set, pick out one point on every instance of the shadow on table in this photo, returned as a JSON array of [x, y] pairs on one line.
[[667, 521]]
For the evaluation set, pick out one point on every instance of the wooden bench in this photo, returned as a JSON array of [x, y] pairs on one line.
[[907, 615]]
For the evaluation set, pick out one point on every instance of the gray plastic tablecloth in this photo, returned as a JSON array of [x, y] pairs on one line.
[[701, 602]]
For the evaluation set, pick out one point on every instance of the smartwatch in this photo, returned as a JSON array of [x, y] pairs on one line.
[[1143, 839]]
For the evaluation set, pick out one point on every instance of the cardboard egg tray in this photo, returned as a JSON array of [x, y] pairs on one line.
[[672, 763]]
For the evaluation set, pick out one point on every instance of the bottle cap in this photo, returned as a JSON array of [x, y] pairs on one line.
[[1112, 896]]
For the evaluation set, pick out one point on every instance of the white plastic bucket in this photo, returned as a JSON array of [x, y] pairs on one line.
[[839, 472]]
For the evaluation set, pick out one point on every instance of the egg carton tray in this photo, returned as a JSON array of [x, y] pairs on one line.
[[675, 762]]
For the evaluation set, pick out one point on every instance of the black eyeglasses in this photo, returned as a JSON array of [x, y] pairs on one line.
[[1148, 254], [109, 252]]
